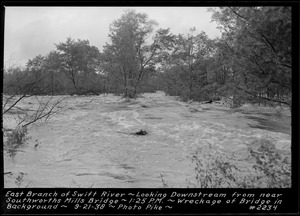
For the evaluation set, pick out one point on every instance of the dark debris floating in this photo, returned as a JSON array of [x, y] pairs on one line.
[[140, 133]]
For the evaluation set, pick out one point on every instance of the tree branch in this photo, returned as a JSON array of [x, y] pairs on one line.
[[285, 65], [268, 99], [238, 14], [262, 70], [40, 114], [273, 48]]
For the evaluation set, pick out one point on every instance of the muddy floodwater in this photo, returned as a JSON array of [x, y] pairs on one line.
[[90, 143]]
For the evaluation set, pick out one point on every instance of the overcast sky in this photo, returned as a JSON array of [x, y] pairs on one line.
[[30, 31]]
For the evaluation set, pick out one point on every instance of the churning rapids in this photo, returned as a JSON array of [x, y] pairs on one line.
[[90, 142]]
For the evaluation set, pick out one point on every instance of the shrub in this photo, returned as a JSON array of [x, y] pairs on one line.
[[15, 140], [19, 180], [215, 169], [276, 170]]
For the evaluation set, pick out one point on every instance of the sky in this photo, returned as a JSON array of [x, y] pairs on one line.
[[30, 31]]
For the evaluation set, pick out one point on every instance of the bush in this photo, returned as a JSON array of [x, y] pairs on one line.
[[15, 140], [218, 170], [213, 170], [275, 169]]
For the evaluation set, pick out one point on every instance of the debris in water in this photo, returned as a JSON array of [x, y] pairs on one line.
[[10, 173], [141, 132], [209, 102]]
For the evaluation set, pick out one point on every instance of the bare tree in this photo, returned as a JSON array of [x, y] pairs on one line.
[[18, 86]]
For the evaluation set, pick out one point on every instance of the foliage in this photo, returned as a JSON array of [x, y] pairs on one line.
[[19, 179], [72, 67], [129, 59], [250, 63], [218, 170], [16, 139], [78, 61], [57, 82], [254, 53], [187, 67], [19, 81], [269, 162], [213, 170]]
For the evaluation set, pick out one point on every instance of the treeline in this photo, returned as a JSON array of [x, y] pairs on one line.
[[251, 62]]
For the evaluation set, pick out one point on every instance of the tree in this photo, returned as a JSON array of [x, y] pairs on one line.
[[78, 62], [258, 42], [129, 56], [20, 84], [25, 83], [54, 77], [35, 68], [187, 63]]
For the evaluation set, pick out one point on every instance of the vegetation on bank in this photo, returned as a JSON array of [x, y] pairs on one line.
[[213, 169], [250, 63]]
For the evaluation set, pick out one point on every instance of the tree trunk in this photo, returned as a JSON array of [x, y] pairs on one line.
[[134, 91], [74, 85], [52, 90], [126, 92], [190, 90]]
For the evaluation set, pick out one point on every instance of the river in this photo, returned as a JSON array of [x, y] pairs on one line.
[[90, 143]]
